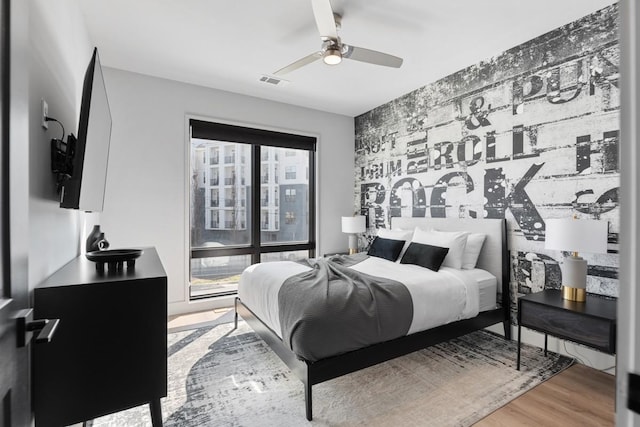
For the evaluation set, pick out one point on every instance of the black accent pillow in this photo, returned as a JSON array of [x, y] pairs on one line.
[[426, 256], [386, 248]]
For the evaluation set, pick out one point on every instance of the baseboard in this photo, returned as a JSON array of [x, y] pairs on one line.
[[185, 307]]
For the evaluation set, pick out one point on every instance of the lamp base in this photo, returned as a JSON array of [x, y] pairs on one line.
[[353, 244], [574, 294]]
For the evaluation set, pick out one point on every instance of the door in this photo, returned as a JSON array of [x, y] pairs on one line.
[[15, 391]]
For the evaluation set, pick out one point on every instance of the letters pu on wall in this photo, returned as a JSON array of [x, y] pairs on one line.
[[528, 135]]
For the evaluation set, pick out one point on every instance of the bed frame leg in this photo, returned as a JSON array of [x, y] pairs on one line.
[[307, 399], [507, 329]]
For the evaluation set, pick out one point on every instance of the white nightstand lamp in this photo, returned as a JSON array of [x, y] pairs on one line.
[[353, 225], [576, 235]]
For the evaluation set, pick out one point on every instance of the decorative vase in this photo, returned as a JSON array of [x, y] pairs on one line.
[[93, 238]]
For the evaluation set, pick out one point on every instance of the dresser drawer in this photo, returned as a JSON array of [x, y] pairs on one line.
[[583, 329]]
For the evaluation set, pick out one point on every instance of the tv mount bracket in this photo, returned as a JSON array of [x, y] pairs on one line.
[[62, 154]]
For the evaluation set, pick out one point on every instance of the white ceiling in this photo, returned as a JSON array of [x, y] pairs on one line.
[[228, 45]]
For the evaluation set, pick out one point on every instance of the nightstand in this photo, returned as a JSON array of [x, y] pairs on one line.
[[591, 323]]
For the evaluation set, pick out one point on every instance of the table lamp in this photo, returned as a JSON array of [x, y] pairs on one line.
[[576, 235], [353, 225]]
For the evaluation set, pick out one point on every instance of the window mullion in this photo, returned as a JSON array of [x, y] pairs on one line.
[[312, 202], [255, 202]]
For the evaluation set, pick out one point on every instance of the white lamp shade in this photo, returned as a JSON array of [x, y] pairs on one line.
[[576, 235], [353, 224]]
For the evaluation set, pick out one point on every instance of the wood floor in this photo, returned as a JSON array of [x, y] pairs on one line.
[[578, 396]]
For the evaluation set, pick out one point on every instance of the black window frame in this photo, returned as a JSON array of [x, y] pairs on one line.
[[258, 138]]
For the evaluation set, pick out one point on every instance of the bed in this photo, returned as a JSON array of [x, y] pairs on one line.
[[481, 299]]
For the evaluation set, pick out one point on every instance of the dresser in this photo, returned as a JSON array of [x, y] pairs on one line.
[[109, 351]]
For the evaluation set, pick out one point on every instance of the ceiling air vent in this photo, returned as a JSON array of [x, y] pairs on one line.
[[273, 80]]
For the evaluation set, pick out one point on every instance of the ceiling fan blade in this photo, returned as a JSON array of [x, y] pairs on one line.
[[371, 56], [324, 18], [299, 63]]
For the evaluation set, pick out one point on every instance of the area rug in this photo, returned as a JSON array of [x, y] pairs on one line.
[[224, 377]]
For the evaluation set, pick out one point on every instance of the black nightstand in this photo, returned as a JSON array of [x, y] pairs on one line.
[[591, 323]]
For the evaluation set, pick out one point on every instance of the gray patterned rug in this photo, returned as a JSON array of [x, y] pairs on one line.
[[221, 377]]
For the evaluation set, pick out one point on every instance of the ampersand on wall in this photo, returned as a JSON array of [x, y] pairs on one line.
[[477, 117]]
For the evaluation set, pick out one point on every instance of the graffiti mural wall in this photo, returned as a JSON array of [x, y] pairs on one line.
[[528, 135]]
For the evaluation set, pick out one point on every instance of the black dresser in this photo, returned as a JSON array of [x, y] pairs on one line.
[[109, 351]]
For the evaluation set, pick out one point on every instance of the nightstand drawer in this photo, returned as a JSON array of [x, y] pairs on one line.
[[591, 331]]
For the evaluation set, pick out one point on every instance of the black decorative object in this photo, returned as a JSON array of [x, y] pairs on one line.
[[96, 240], [115, 258], [102, 242]]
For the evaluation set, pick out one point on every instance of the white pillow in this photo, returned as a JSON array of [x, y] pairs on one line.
[[454, 240], [397, 235], [472, 250]]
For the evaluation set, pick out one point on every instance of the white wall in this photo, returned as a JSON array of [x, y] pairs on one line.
[[146, 200], [59, 52]]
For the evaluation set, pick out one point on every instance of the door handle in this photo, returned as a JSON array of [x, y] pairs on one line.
[[26, 327]]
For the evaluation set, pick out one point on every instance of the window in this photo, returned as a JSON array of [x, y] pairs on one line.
[[214, 218], [241, 223], [290, 172], [214, 158], [214, 196], [213, 176], [290, 218]]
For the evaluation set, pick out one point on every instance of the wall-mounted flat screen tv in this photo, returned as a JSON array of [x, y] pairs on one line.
[[85, 189]]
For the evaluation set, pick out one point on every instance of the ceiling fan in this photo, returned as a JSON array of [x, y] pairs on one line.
[[333, 50]]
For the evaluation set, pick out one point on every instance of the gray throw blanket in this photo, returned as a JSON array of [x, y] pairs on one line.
[[333, 309]]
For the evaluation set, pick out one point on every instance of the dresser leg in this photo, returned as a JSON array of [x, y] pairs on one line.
[[156, 413], [546, 338]]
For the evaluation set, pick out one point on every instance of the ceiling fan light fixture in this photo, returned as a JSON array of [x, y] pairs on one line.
[[332, 56]]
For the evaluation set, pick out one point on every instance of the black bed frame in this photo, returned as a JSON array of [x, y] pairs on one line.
[[311, 373]]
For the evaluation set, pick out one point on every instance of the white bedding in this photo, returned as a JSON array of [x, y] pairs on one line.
[[438, 297], [487, 288]]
